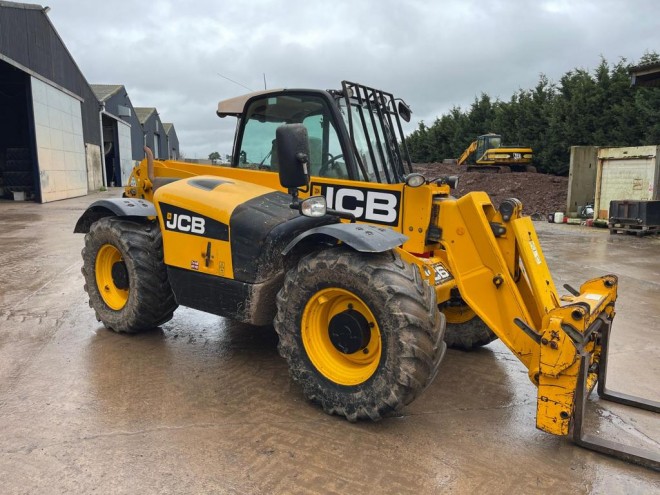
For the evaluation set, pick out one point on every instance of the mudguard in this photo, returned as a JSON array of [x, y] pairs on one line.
[[361, 237], [120, 207]]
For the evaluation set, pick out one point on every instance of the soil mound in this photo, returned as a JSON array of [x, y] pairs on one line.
[[539, 193]]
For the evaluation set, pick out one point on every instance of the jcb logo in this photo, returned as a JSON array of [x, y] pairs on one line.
[[370, 205], [185, 223], [179, 219]]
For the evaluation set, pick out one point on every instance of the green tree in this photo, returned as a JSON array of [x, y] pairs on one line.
[[214, 157], [584, 107]]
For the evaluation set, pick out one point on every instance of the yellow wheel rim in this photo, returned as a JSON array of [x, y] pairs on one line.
[[112, 295], [458, 314], [333, 364]]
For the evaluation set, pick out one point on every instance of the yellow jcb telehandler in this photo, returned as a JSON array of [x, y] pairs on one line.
[[321, 227]]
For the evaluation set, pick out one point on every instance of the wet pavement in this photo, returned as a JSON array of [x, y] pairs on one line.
[[205, 405]]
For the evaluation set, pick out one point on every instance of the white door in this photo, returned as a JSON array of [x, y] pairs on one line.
[[125, 151], [630, 178], [60, 145]]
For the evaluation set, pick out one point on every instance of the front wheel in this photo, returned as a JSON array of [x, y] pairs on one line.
[[125, 276], [361, 332]]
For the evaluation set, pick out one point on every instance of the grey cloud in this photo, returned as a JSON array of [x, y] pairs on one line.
[[433, 54]]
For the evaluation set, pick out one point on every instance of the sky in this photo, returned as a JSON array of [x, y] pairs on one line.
[[435, 55]]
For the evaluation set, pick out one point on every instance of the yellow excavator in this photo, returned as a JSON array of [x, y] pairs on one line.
[[366, 269], [487, 154]]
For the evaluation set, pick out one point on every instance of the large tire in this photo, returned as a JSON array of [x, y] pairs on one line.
[[401, 332], [125, 276], [465, 330]]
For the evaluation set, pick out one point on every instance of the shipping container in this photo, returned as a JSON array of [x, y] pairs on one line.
[[626, 173]]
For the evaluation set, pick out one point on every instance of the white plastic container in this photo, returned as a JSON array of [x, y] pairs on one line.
[[559, 217]]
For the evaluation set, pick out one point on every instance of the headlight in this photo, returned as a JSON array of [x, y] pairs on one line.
[[415, 180], [314, 206]]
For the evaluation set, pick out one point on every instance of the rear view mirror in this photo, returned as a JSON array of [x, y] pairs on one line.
[[404, 111], [293, 155]]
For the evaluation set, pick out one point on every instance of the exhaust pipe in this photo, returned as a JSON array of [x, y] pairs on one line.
[[150, 163]]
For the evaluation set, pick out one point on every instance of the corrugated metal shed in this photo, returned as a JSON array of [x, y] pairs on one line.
[[57, 153], [154, 134], [118, 104], [29, 41], [173, 151]]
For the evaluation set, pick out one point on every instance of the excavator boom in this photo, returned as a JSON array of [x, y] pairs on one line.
[[466, 154], [488, 154]]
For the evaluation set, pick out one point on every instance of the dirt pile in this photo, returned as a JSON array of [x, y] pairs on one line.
[[539, 193]]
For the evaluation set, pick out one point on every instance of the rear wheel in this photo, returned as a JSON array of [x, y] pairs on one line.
[[465, 330], [361, 332], [125, 276]]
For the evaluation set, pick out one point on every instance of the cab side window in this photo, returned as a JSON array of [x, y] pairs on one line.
[[258, 146]]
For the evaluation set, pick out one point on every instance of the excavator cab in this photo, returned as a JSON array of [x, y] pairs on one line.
[[487, 142]]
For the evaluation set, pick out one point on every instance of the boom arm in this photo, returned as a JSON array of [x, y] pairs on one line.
[[466, 154], [504, 278], [501, 273]]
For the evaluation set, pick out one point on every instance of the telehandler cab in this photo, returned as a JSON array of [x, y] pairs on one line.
[[360, 267]]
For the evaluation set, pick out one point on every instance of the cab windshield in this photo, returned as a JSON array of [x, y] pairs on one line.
[[494, 142]]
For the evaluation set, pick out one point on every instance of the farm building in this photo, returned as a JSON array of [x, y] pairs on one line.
[[61, 137], [50, 135]]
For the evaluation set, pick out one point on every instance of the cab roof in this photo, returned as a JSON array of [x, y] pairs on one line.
[[234, 107]]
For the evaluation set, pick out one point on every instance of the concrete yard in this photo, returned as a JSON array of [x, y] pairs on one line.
[[204, 405]]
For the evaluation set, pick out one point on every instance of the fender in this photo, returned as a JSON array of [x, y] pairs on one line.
[[120, 207], [361, 237]]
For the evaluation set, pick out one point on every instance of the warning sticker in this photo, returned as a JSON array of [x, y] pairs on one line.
[[194, 265], [535, 252]]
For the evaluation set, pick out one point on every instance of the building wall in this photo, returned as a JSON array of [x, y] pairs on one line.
[[581, 177], [173, 150]]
